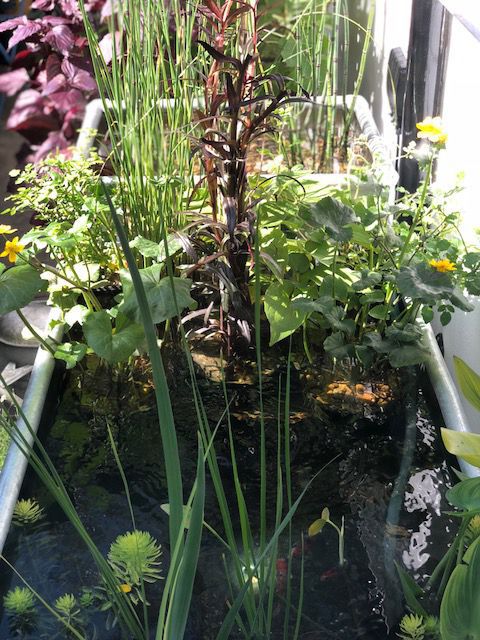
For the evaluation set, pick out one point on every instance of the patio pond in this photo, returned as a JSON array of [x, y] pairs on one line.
[[385, 474]]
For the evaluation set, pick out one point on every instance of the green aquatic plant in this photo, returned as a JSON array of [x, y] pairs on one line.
[[134, 558], [20, 606], [68, 607], [316, 527], [26, 511], [416, 627]]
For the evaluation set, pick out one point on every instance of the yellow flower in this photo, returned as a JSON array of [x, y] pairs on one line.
[[12, 249], [443, 266], [6, 228], [126, 588], [432, 129]]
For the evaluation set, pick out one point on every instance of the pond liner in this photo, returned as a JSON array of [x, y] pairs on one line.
[[15, 466]]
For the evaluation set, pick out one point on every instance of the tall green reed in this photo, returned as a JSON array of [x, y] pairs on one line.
[[148, 92], [316, 37]]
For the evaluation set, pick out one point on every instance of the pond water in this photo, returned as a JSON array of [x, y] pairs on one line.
[[385, 476]]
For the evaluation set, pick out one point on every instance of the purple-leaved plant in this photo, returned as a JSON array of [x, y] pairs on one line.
[[52, 73]]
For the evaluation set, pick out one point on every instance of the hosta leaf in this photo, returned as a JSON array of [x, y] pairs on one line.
[[283, 317], [333, 216], [114, 345], [463, 444], [409, 334], [323, 305], [159, 295], [460, 606], [469, 381], [18, 287], [465, 495]]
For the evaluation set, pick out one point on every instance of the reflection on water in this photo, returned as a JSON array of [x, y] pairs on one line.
[[361, 601]]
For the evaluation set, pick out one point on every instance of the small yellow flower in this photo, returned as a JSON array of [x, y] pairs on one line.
[[6, 228], [443, 266], [432, 129], [12, 249], [126, 588]]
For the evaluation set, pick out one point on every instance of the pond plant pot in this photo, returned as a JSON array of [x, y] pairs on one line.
[[385, 175], [13, 471]]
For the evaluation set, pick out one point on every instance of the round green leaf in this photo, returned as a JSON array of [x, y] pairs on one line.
[[19, 286]]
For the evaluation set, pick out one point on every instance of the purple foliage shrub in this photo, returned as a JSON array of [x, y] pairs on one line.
[[52, 73]]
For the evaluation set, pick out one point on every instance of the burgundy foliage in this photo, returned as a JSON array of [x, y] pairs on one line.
[[52, 72]]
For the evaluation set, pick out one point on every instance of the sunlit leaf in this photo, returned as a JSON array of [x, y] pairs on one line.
[[463, 445], [469, 381]]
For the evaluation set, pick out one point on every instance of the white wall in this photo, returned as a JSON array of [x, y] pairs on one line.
[[461, 115]]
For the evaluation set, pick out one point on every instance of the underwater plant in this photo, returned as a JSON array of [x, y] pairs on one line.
[[21, 610], [416, 627], [134, 560], [26, 511], [68, 607]]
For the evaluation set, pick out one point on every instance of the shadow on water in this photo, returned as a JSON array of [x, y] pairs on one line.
[[388, 482]]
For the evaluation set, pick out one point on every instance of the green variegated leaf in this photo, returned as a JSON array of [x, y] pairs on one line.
[[469, 381]]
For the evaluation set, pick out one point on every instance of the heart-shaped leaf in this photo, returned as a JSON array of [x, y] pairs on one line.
[[113, 344], [159, 294], [283, 316]]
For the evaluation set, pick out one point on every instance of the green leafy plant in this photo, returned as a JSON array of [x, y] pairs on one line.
[[21, 609], [362, 271], [415, 627], [134, 558], [26, 512], [69, 609]]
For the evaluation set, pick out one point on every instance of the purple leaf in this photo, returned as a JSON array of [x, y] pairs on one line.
[[71, 8], [78, 78], [12, 81], [54, 85], [66, 100], [55, 142], [29, 112], [9, 25], [106, 46], [22, 32], [53, 66], [60, 38], [44, 5]]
